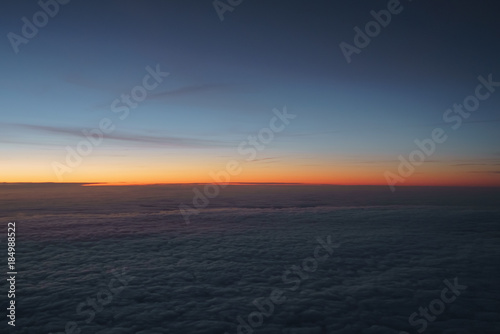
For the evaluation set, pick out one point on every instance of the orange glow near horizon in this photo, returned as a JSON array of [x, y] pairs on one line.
[[190, 171], [275, 177]]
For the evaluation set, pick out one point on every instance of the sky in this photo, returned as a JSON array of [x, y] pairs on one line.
[[202, 76]]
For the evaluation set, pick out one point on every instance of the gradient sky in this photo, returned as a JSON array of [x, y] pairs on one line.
[[225, 78]]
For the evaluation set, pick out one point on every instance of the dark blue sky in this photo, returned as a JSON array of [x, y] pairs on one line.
[[225, 78]]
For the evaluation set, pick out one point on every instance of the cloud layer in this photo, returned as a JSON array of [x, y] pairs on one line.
[[200, 278]]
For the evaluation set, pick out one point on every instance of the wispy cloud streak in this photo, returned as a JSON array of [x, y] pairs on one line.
[[168, 141]]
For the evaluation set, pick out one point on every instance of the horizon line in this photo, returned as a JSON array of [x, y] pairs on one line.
[[118, 184]]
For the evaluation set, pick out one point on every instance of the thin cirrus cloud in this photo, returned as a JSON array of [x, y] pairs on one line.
[[189, 91], [269, 160], [464, 121], [193, 89], [485, 172], [477, 164], [164, 141]]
